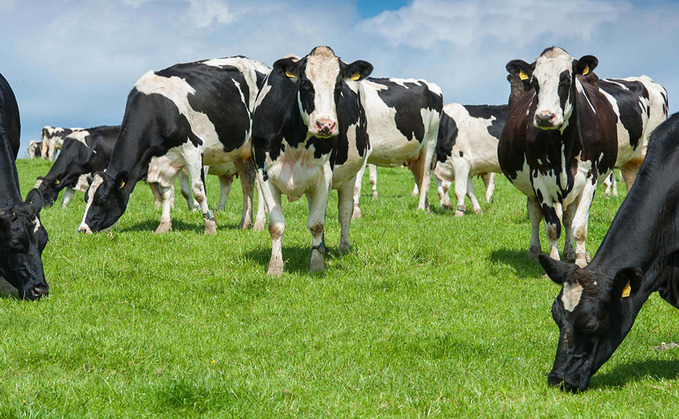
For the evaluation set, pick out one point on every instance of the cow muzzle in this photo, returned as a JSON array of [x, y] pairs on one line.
[[84, 228], [37, 292], [325, 127], [546, 119]]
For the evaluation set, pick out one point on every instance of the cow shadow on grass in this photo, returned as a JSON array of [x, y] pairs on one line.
[[623, 374], [518, 261], [296, 258], [177, 226]]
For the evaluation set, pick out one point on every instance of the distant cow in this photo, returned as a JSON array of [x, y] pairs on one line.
[[403, 122], [466, 147], [186, 115], [53, 140], [22, 236], [598, 304], [83, 153], [309, 136], [34, 149], [563, 136]]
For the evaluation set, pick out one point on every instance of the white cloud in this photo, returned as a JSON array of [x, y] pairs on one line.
[[206, 12]]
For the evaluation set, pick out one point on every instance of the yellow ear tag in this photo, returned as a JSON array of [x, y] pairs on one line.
[[355, 76], [523, 75], [56, 182], [289, 74], [584, 73], [122, 183], [626, 291]]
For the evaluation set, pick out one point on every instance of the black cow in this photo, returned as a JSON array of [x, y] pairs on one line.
[[597, 304], [22, 236], [309, 136], [186, 115], [83, 152]]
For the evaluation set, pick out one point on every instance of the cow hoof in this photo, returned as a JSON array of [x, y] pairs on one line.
[[164, 227], [245, 224], [459, 213], [534, 252], [357, 213], [374, 195], [210, 226], [477, 211], [317, 261], [275, 267], [344, 248], [259, 225]]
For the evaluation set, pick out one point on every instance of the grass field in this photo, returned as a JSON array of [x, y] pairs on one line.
[[427, 315]]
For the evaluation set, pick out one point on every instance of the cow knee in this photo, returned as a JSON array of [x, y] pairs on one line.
[[316, 228], [276, 230]]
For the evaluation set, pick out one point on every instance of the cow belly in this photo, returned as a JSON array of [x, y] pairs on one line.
[[394, 153], [214, 154]]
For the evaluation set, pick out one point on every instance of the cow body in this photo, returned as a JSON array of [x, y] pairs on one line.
[[403, 122], [639, 255], [22, 236], [560, 141], [466, 147], [34, 149], [309, 136], [53, 140], [186, 115]]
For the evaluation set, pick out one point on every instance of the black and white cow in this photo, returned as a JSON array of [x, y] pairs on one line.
[[403, 122], [53, 140], [466, 147], [639, 255], [83, 153], [309, 136], [562, 137], [22, 236], [34, 149], [186, 115]]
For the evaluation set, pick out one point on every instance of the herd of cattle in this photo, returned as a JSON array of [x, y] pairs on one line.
[[308, 125]]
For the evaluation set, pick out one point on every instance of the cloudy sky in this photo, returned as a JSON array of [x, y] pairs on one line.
[[72, 63]]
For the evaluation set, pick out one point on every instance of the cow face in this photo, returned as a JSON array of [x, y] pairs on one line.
[[22, 240], [589, 315], [318, 78], [107, 200], [552, 76], [66, 170]]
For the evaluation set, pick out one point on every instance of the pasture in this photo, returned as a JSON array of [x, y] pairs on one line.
[[427, 315]]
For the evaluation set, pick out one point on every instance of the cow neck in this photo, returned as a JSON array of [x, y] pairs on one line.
[[9, 180], [131, 156]]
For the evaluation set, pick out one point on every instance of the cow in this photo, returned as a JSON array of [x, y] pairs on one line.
[[403, 122], [53, 140], [22, 236], [563, 136], [309, 136], [597, 305], [467, 146], [186, 115], [83, 153], [34, 149]]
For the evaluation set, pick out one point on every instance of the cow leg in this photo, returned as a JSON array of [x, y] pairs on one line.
[[373, 180], [489, 181], [52, 150], [224, 190], [260, 218], [185, 189], [580, 221], [423, 168], [318, 202], [568, 249], [442, 188], [471, 193], [462, 182], [535, 215], [357, 192], [246, 172], [552, 229], [344, 210], [166, 197], [272, 197], [416, 189], [68, 196], [195, 166], [629, 173]]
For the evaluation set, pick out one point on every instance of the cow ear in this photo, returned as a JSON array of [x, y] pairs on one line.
[[520, 69], [358, 70], [627, 282], [557, 270], [288, 67], [35, 200], [586, 64]]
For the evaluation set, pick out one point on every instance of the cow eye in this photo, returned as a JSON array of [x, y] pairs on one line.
[[591, 327]]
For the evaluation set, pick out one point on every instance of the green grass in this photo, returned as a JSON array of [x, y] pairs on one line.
[[428, 315]]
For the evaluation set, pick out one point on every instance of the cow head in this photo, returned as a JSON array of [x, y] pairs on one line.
[[66, 170], [318, 79], [107, 200], [22, 240], [591, 319], [552, 76]]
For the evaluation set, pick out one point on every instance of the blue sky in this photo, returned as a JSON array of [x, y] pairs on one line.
[[72, 63]]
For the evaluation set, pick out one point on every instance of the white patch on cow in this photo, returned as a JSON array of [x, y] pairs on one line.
[[322, 70], [248, 68], [37, 225], [240, 91], [548, 68], [580, 89], [79, 135], [96, 183], [571, 295]]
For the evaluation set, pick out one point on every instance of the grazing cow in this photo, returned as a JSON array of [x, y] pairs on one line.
[[22, 236], [53, 140], [34, 149], [83, 153], [403, 121], [186, 115], [467, 146], [639, 255], [309, 136], [562, 137]]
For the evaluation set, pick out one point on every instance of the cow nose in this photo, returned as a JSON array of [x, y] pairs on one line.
[[325, 126], [39, 291], [545, 118], [84, 229]]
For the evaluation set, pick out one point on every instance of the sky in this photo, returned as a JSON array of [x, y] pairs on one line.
[[72, 63]]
